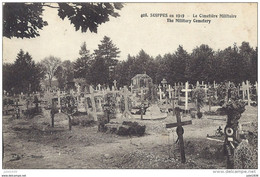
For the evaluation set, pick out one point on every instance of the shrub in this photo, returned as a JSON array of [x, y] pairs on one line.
[[199, 114], [131, 129], [31, 112]]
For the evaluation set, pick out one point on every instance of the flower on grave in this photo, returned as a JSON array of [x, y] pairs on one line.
[[68, 104], [122, 104], [110, 103], [198, 96]]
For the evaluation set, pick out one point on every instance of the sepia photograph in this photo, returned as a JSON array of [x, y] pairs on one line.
[[130, 85]]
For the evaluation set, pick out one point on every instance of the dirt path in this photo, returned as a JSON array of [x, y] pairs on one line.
[[32, 143]]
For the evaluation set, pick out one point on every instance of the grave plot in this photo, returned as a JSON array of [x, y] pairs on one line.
[[128, 122]]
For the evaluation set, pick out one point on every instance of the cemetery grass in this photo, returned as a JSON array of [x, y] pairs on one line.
[[34, 144]]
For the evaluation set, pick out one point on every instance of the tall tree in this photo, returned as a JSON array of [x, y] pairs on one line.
[[50, 64], [106, 54], [83, 64], [26, 75], [64, 74], [8, 80], [24, 20], [199, 67]]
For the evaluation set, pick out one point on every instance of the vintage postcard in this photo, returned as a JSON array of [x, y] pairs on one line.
[[105, 85]]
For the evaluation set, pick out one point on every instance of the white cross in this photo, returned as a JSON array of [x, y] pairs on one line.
[[186, 90], [214, 84], [131, 87], [248, 92], [170, 91], [160, 93], [198, 84], [175, 90], [114, 83], [99, 87], [256, 87], [244, 89], [206, 90]]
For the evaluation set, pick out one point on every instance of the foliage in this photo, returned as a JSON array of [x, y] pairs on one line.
[[51, 65], [83, 64], [231, 103], [110, 103], [31, 112], [68, 105], [105, 56], [24, 20], [64, 74], [81, 121], [234, 63], [22, 76]]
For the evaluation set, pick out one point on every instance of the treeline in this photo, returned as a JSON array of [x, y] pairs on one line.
[[235, 63]]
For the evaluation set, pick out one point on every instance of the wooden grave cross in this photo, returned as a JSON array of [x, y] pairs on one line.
[[244, 89], [160, 92], [170, 90], [206, 91], [180, 131], [126, 111], [197, 84], [248, 92], [93, 103], [186, 90], [131, 87], [114, 83], [142, 102], [99, 87]]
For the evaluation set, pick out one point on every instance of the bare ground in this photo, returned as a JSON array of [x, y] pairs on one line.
[[34, 144]]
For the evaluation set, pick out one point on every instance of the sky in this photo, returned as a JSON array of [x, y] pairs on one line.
[[130, 32]]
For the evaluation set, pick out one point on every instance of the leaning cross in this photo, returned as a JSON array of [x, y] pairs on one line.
[[186, 90], [179, 131]]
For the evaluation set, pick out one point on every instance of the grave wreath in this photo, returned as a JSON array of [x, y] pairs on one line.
[[234, 107], [198, 96], [109, 106], [122, 104]]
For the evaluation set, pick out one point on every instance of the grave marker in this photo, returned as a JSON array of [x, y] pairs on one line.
[[170, 90], [248, 92], [180, 131], [160, 92], [126, 111], [186, 90], [114, 82], [93, 103]]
